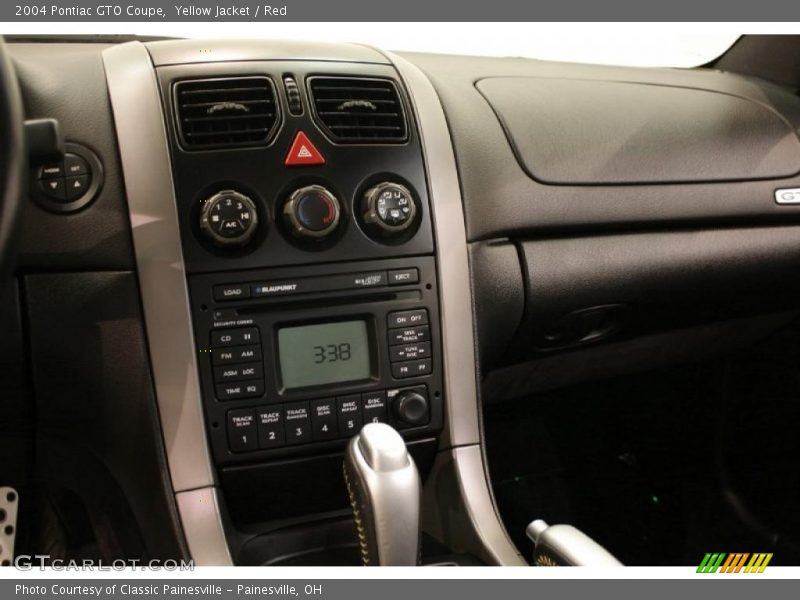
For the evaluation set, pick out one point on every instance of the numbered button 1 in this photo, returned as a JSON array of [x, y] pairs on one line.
[[242, 435], [349, 410], [270, 427], [324, 424], [297, 424]]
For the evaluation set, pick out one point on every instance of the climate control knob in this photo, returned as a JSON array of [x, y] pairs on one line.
[[229, 218], [411, 408], [312, 212], [389, 208]]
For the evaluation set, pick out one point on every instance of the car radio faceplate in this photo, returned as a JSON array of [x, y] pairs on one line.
[[294, 360]]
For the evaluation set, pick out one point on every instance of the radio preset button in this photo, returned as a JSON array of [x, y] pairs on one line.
[[232, 291], [412, 368], [234, 337], [410, 351], [244, 389], [236, 355], [242, 435], [409, 335], [403, 276], [324, 422], [349, 413], [373, 407], [271, 432], [239, 372], [407, 318], [297, 424]]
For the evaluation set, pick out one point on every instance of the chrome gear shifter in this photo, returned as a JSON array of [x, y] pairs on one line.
[[385, 494]]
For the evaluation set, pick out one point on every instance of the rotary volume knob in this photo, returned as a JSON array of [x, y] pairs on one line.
[[312, 212], [229, 219], [389, 208], [412, 408]]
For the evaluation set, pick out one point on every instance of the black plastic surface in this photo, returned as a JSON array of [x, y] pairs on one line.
[[67, 82], [264, 497], [501, 200], [666, 280], [567, 131], [16, 425], [97, 422]]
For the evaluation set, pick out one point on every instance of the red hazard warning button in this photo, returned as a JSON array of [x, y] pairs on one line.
[[303, 152]]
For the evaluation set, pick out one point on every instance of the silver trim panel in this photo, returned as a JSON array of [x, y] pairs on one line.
[[460, 482], [202, 524], [144, 153]]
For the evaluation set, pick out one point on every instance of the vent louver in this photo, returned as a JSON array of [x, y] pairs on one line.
[[226, 113], [359, 110]]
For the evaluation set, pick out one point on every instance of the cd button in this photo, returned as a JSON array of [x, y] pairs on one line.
[[234, 337]]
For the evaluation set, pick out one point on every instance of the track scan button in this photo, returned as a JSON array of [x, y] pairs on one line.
[[242, 435], [409, 335]]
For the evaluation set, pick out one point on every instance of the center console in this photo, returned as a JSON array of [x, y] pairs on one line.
[[303, 269], [306, 234]]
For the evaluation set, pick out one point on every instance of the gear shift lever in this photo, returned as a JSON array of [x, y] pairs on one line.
[[385, 494]]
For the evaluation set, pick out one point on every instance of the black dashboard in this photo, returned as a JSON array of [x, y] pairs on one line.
[[287, 241]]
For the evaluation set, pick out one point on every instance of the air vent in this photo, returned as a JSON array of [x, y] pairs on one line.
[[359, 111], [226, 113]]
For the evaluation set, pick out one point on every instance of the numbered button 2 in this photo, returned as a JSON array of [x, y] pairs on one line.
[[270, 427]]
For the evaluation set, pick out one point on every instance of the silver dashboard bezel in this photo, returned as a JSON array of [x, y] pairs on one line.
[[459, 475]]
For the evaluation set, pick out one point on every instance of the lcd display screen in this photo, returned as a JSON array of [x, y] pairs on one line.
[[324, 353]]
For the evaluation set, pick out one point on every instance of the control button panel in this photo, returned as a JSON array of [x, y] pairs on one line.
[[409, 353], [69, 184], [333, 418], [238, 369]]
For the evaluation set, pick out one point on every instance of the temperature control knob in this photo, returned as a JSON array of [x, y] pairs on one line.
[[411, 408], [229, 218], [312, 212], [389, 207]]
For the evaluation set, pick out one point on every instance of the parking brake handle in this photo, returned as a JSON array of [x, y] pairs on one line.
[[564, 545]]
